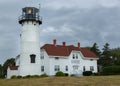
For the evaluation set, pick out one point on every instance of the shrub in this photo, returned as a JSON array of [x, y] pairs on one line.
[[13, 77], [1, 76], [35, 76], [87, 73], [44, 75], [66, 74], [72, 75], [59, 73], [19, 77], [28, 76], [96, 74], [111, 70]]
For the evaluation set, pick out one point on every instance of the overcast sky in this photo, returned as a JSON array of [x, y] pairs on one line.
[[73, 21]]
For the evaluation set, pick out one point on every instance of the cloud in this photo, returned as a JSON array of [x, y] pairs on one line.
[[89, 25], [89, 4], [86, 21]]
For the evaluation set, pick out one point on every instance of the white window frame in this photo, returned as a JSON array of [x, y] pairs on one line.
[[56, 68], [91, 68], [42, 55], [42, 68], [66, 68]]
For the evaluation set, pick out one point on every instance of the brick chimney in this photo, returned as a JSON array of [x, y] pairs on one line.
[[78, 44], [64, 43], [54, 42]]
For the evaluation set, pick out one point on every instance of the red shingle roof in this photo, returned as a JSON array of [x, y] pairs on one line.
[[13, 67], [60, 50]]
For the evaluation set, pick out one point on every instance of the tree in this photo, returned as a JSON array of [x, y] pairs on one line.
[[9, 62], [106, 50], [95, 49], [1, 71], [115, 54], [105, 59]]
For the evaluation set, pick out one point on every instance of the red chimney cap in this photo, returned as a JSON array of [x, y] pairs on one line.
[[78, 44], [54, 42], [64, 43]]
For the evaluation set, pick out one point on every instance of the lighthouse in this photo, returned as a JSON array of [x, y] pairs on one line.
[[30, 42]]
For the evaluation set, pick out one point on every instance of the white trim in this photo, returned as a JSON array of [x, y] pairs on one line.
[[58, 56]]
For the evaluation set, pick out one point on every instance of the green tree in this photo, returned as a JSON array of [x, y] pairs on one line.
[[1, 71], [105, 59], [115, 54], [9, 62], [95, 49]]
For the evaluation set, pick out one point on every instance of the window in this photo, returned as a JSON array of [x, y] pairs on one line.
[[73, 56], [91, 68], [83, 68], [75, 67], [66, 68], [57, 68], [32, 58], [91, 59], [42, 55], [42, 68], [76, 56], [56, 58]]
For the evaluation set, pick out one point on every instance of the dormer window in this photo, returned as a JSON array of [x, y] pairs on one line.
[[76, 56], [32, 58], [73, 56]]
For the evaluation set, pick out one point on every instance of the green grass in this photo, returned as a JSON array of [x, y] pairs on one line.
[[64, 81]]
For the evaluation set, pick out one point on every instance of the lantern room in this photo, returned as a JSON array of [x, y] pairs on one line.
[[30, 14]]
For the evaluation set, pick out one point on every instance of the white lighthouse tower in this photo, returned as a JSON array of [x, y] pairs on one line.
[[30, 42]]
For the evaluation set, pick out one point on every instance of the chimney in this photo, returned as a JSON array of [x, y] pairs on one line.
[[54, 42], [78, 44], [64, 43]]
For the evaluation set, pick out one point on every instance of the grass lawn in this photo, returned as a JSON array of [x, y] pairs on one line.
[[64, 81]]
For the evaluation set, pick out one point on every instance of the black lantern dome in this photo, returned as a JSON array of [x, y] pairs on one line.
[[30, 14]]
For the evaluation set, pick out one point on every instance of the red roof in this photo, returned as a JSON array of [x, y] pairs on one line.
[[13, 67], [60, 50]]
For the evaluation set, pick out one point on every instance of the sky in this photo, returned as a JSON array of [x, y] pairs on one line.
[[72, 21]]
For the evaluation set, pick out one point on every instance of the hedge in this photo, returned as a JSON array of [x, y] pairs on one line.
[[111, 70], [44, 75], [87, 73], [59, 73]]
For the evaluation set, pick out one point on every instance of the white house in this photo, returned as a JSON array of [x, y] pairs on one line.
[[50, 58], [69, 59]]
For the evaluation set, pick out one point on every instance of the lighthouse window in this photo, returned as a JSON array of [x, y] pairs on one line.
[[32, 58]]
